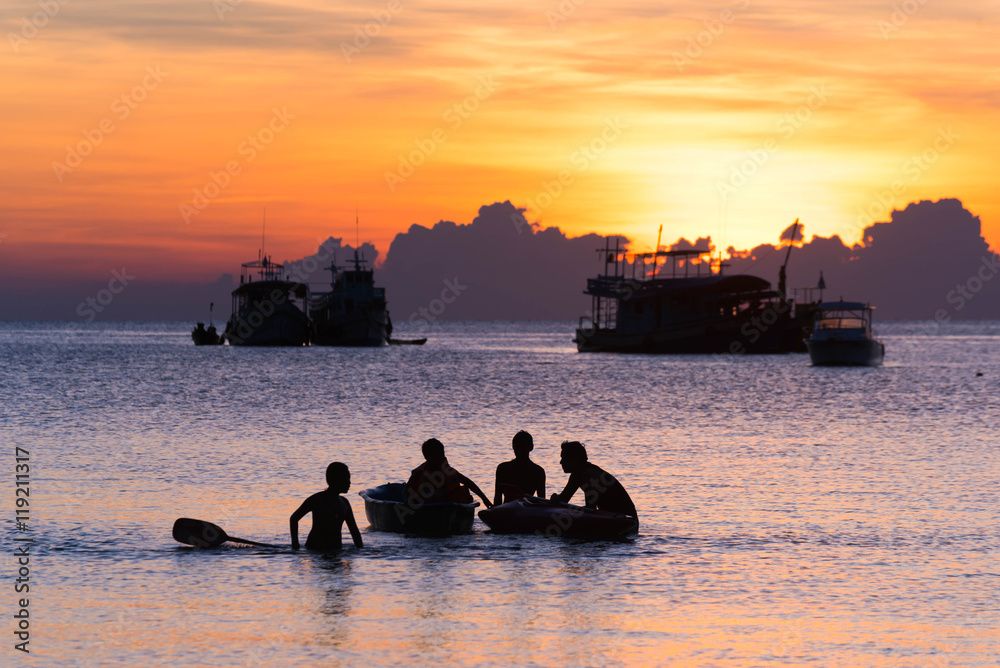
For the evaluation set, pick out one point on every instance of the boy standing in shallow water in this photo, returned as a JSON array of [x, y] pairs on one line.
[[329, 512]]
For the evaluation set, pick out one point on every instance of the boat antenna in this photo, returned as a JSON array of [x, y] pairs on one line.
[[357, 238], [659, 235], [263, 227]]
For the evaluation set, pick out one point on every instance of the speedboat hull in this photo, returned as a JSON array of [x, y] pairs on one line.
[[532, 515], [862, 352], [387, 510]]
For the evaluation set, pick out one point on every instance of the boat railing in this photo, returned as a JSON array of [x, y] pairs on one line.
[[263, 270]]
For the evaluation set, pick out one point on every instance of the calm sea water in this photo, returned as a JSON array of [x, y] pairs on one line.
[[790, 515]]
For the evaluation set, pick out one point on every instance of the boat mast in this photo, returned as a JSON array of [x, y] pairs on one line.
[[781, 272], [357, 239]]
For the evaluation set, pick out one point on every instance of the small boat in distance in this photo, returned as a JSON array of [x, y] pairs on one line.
[[268, 311], [387, 510], [400, 342], [206, 337], [353, 312], [532, 515], [842, 336]]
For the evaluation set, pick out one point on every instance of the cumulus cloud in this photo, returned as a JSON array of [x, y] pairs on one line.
[[909, 267], [315, 269], [506, 268]]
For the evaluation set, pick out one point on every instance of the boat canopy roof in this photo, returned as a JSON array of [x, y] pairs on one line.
[[843, 306], [713, 283], [255, 288], [730, 284]]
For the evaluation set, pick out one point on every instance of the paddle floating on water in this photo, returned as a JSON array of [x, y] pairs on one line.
[[200, 533]]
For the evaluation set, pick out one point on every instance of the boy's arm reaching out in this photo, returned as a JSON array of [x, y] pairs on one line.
[[497, 494], [568, 492], [293, 521], [475, 488], [351, 524]]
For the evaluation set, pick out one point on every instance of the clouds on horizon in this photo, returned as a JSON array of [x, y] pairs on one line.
[[501, 267]]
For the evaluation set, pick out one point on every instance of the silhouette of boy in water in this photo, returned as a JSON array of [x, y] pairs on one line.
[[435, 481], [520, 476], [329, 512], [600, 489]]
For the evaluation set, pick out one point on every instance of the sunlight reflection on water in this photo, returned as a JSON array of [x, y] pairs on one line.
[[790, 515]]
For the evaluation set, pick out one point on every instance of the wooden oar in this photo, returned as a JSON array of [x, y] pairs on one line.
[[200, 533]]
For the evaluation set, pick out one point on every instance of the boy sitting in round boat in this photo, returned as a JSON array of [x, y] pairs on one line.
[[329, 512], [520, 476], [435, 481], [601, 490]]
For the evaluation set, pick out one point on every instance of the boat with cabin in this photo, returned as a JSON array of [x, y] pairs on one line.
[[353, 312], [268, 308], [679, 301], [842, 336]]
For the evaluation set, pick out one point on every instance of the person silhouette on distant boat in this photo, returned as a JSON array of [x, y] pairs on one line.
[[601, 490], [520, 476], [329, 512], [435, 481]]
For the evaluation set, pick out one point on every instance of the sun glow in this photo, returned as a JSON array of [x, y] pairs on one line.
[[598, 120]]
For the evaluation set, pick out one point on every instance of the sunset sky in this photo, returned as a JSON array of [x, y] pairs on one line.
[[728, 119]]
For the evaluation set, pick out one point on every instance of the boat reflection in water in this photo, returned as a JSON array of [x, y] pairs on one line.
[[674, 302], [353, 312], [842, 336], [268, 309]]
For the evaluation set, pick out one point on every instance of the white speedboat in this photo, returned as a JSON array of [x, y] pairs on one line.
[[842, 336]]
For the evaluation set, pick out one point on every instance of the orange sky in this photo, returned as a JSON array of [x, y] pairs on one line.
[[683, 116]]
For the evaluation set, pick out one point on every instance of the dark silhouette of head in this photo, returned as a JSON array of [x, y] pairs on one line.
[[433, 450], [338, 477], [522, 443], [574, 456]]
